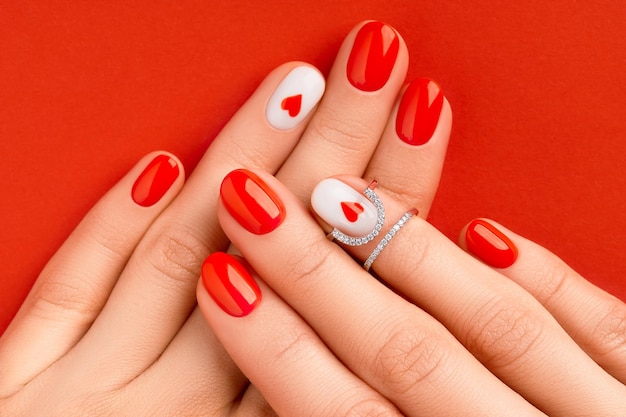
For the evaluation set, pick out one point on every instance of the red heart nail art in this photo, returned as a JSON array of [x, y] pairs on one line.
[[352, 210], [292, 104]]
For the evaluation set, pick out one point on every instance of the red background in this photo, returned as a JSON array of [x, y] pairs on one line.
[[537, 89]]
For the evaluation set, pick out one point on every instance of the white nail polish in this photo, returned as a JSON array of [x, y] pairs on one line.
[[295, 97], [344, 208]]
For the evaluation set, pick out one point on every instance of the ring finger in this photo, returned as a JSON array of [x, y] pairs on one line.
[[500, 323]]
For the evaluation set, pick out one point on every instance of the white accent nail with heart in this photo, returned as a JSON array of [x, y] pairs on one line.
[[295, 97], [344, 208]]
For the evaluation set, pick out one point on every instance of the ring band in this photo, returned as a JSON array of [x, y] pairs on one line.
[[385, 241]]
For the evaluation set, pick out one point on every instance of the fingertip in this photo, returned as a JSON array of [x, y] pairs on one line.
[[251, 201], [374, 55], [422, 114], [156, 178], [229, 284], [489, 242], [295, 96]]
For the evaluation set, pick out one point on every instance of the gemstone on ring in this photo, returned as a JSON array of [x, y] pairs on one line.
[[385, 241]]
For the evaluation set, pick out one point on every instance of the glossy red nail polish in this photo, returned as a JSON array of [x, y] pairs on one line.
[[419, 110], [373, 56], [490, 245], [251, 202], [230, 285], [155, 180]]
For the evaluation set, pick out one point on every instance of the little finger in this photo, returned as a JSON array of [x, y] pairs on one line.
[[595, 319], [76, 282]]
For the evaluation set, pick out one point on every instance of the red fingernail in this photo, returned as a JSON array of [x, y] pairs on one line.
[[230, 285], [373, 56], [490, 245], [419, 110], [251, 202], [155, 180]]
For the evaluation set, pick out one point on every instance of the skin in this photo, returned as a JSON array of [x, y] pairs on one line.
[[112, 326], [446, 335]]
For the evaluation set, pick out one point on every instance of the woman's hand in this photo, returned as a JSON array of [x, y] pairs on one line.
[[440, 334], [111, 326]]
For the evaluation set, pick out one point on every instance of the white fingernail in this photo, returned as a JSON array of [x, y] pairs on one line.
[[295, 97], [344, 208]]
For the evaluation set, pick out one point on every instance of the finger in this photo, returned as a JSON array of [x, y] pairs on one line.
[[75, 284], [595, 319], [498, 321], [409, 158], [362, 86], [389, 343], [193, 376], [157, 287], [277, 350]]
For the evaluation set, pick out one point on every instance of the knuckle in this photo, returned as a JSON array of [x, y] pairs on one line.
[[552, 279], [307, 261], [65, 287], [405, 187], [409, 358], [400, 190], [113, 237], [58, 295], [503, 332], [239, 153], [289, 346], [176, 254], [345, 136], [609, 332]]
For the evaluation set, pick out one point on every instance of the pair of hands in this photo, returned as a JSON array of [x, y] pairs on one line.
[[112, 327]]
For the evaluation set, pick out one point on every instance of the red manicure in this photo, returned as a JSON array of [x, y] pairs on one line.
[[230, 285], [155, 180], [373, 56], [490, 245], [419, 110], [251, 202]]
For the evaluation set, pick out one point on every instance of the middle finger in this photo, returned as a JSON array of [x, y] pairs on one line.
[[361, 90]]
